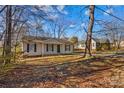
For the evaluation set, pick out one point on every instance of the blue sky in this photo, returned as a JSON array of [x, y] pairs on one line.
[[80, 18]]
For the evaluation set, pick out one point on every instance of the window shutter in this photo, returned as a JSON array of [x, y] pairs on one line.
[[47, 47], [27, 47], [69, 47], [35, 47], [65, 47]]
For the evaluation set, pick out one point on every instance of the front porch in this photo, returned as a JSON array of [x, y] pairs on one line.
[[41, 49]]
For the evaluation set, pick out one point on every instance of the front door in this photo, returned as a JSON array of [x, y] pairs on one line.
[[58, 48]]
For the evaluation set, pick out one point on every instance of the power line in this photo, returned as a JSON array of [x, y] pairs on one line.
[[2, 9], [110, 14], [84, 8], [99, 31]]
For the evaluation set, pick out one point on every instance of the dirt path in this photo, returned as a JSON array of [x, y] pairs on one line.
[[97, 72]]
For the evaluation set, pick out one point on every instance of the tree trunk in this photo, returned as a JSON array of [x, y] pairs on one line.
[[7, 39], [89, 33]]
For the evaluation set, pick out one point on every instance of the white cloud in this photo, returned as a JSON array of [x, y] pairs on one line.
[[72, 25], [1, 18], [53, 17], [50, 11], [83, 25], [47, 8], [87, 12], [109, 11], [65, 12], [60, 8]]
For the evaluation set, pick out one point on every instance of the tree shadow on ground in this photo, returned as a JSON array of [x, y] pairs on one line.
[[32, 75]]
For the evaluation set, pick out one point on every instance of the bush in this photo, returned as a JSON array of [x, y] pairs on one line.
[[104, 46]]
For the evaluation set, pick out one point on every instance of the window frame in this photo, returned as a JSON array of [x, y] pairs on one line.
[[49, 47], [67, 47]]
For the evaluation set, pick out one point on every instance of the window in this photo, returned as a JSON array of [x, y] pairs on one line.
[[31, 47], [27, 47], [93, 44], [35, 47], [49, 47], [67, 47]]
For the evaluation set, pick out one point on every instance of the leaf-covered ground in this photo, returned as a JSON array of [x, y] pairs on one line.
[[70, 71]]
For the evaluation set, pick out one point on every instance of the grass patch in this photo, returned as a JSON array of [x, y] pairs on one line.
[[53, 59]]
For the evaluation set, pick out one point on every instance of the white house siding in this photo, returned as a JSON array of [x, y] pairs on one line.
[[31, 52], [82, 45], [50, 52], [71, 49], [122, 44], [41, 49], [93, 43], [62, 49]]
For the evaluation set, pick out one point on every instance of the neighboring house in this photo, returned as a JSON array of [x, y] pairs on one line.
[[33, 46], [96, 44], [122, 43], [81, 44], [119, 43]]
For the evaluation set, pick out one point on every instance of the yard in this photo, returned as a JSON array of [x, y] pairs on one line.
[[67, 71]]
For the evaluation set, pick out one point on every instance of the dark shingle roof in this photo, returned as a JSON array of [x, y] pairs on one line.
[[102, 40], [34, 38], [96, 39], [81, 42], [46, 39]]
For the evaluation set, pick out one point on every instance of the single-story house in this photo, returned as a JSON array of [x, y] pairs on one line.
[[33, 46]]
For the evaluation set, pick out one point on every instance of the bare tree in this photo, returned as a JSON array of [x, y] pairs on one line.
[[89, 33], [7, 38], [59, 27], [115, 32], [16, 17]]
